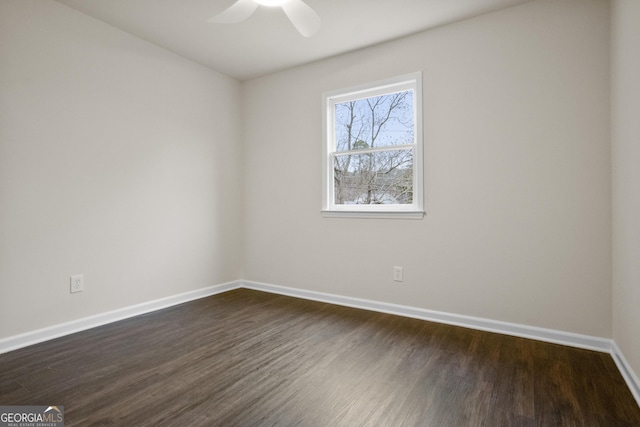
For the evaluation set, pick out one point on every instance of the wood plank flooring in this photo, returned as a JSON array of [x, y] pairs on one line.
[[247, 358]]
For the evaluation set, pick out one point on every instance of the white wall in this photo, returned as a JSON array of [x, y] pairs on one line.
[[118, 160], [625, 84], [518, 174], [122, 161]]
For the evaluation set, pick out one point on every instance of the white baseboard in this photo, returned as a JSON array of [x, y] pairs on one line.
[[34, 337], [514, 329], [627, 372], [540, 334]]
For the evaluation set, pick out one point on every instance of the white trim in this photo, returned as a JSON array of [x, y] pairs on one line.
[[506, 328], [379, 87], [541, 334], [627, 372], [413, 82], [514, 329], [45, 334], [372, 214], [403, 147]]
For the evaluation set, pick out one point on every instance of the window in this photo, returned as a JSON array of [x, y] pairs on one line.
[[373, 150]]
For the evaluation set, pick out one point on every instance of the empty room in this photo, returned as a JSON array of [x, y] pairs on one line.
[[320, 212]]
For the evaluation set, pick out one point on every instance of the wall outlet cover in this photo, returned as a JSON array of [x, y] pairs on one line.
[[77, 283]]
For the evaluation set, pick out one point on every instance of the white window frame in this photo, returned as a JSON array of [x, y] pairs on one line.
[[415, 210]]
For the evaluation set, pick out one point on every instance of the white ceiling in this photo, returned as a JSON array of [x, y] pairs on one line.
[[267, 42]]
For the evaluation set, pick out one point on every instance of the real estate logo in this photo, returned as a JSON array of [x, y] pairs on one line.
[[31, 416]]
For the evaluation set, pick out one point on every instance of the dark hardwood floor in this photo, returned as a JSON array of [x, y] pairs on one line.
[[247, 358]]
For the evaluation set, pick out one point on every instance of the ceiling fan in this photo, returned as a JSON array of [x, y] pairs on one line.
[[305, 19]]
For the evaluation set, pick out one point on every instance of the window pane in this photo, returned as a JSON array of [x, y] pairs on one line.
[[383, 177], [378, 121]]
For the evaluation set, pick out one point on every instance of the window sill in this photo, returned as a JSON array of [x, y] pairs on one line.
[[374, 214]]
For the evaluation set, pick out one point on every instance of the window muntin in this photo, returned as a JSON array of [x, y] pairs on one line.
[[373, 149]]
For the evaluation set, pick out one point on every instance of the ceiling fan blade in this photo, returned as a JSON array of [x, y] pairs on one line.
[[305, 19], [239, 11]]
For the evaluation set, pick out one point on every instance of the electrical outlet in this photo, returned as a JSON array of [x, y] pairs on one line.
[[397, 274], [77, 283]]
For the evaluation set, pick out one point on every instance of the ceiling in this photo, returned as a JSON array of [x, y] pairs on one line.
[[267, 42]]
